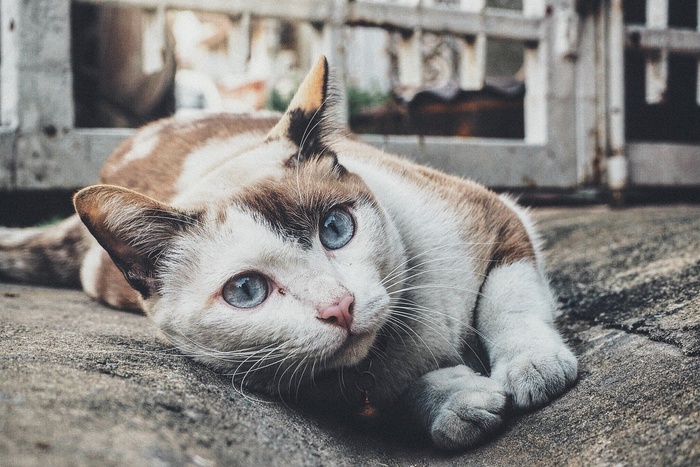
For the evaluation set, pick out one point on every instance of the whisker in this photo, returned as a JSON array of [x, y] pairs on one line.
[[398, 269], [429, 311], [429, 271], [427, 322], [405, 326], [432, 286]]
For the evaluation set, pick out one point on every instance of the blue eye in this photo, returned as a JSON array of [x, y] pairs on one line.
[[245, 291], [336, 229]]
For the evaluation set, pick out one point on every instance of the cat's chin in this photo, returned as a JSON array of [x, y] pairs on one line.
[[354, 349]]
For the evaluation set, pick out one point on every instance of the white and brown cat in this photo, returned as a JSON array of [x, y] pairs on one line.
[[311, 265]]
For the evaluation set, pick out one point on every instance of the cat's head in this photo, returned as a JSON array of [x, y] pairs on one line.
[[289, 274]]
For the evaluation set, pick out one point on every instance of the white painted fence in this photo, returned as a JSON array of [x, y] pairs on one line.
[[573, 68], [663, 163]]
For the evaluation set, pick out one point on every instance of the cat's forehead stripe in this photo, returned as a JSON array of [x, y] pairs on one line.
[[293, 206], [290, 215]]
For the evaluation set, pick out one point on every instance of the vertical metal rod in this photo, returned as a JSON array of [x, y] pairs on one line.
[[656, 61], [601, 77], [617, 162], [697, 86]]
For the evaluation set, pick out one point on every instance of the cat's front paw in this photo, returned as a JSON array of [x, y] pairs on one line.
[[534, 378], [466, 418], [472, 409]]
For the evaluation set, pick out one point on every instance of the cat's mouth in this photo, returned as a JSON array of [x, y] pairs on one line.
[[355, 343], [354, 348]]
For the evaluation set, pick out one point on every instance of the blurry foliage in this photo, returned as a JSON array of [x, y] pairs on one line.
[[277, 101], [50, 221], [508, 4], [360, 99]]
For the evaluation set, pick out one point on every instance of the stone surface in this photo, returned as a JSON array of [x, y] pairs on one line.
[[81, 384]]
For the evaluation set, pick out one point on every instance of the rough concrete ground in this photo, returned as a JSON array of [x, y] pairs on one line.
[[81, 384]]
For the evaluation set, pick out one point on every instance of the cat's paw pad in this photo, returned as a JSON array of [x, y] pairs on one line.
[[469, 414], [533, 379]]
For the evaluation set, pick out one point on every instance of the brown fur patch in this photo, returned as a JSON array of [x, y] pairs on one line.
[[156, 173]]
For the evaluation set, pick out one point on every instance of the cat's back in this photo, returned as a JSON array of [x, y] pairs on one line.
[[153, 160]]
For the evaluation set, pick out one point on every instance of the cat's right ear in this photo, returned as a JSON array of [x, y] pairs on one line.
[[134, 229], [313, 116]]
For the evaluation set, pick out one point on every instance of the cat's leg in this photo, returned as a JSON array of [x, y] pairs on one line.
[[456, 406], [515, 320]]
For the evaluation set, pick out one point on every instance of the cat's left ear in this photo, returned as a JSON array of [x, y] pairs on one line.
[[134, 229], [312, 118]]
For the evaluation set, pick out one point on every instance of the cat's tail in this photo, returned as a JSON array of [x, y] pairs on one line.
[[44, 255]]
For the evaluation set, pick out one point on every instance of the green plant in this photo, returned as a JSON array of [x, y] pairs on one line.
[[277, 101], [359, 99]]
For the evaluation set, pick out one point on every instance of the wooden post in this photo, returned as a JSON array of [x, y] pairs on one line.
[[410, 57], [601, 80], [536, 83], [585, 90], [334, 39], [321, 43], [153, 40], [37, 96], [656, 61], [263, 48], [472, 63], [238, 43]]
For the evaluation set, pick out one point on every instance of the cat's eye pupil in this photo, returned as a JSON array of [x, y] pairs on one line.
[[246, 291], [337, 228], [330, 223]]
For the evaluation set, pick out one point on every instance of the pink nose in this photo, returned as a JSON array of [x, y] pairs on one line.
[[339, 314]]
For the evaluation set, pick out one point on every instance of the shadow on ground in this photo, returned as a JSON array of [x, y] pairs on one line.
[[81, 384]]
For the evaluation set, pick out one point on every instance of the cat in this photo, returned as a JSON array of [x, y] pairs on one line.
[[284, 252]]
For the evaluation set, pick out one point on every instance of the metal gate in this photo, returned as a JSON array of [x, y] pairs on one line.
[[574, 106]]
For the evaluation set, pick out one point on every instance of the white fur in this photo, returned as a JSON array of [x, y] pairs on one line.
[[143, 144], [432, 234], [528, 357], [90, 268]]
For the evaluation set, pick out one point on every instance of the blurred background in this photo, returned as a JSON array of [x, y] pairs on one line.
[[560, 100], [216, 62]]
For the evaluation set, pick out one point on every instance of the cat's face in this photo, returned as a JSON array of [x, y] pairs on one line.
[[254, 280], [289, 272]]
